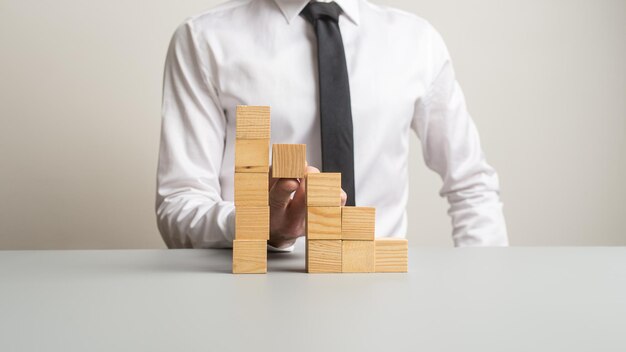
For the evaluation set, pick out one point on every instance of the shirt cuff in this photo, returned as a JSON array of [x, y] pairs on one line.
[[289, 249], [230, 224]]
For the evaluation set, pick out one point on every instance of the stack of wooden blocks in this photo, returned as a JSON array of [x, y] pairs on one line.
[[252, 214], [339, 239], [342, 239]]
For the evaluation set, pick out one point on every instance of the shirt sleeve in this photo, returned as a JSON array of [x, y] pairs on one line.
[[451, 148], [189, 207]]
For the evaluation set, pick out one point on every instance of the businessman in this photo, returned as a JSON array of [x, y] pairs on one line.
[[350, 79]]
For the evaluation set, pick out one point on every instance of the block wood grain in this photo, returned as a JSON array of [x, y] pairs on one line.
[[323, 189], [252, 223], [358, 223], [251, 189], [288, 160], [323, 223], [252, 122], [252, 155], [358, 256], [249, 257], [323, 256], [392, 255]]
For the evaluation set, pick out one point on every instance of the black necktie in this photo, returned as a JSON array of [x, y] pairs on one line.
[[335, 110]]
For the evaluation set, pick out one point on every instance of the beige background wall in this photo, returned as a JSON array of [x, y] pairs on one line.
[[80, 86]]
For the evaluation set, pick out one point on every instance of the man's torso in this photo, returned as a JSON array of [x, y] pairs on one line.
[[255, 56]]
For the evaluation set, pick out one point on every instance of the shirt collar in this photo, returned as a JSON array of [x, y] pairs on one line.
[[292, 8]]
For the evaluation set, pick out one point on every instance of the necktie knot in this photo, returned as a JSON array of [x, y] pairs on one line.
[[321, 10]]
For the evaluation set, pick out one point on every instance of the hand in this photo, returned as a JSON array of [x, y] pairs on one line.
[[287, 213]]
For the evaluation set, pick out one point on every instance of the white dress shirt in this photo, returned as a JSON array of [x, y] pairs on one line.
[[261, 52]]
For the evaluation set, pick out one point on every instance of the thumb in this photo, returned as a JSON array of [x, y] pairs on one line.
[[280, 193]]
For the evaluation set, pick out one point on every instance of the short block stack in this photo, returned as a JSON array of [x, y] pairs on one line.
[[323, 223], [342, 239], [357, 232], [391, 255], [252, 215]]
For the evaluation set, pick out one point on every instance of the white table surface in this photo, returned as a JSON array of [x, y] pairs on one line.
[[492, 299]]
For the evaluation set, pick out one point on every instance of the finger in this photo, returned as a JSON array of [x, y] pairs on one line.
[[344, 197], [297, 206], [300, 196], [312, 170], [280, 193]]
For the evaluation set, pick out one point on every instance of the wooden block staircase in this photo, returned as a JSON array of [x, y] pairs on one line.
[[339, 239]]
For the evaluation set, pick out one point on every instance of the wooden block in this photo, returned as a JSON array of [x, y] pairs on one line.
[[252, 122], [323, 223], [323, 256], [251, 189], [392, 255], [252, 155], [249, 257], [252, 223], [358, 256], [323, 189], [288, 160], [358, 223]]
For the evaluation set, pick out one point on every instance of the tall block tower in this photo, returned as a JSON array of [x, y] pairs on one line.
[[252, 213]]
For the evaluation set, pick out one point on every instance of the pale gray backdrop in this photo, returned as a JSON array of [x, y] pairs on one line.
[[80, 90]]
